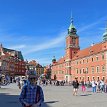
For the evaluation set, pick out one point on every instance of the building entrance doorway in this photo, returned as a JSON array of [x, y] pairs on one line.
[[66, 79]]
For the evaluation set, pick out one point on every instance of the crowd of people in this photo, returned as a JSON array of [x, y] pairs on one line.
[[99, 86], [43, 82], [32, 94], [5, 80]]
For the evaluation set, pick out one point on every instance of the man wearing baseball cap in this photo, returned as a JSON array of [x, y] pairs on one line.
[[31, 94]]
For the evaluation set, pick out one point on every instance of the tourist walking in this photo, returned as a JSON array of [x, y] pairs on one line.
[[98, 86], [31, 94], [93, 86], [83, 86], [75, 86], [106, 86], [102, 86]]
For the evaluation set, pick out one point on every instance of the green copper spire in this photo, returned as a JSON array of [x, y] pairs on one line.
[[72, 29], [105, 33], [54, 59]]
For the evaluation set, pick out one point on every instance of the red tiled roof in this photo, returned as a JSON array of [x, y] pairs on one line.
[[5, 55], [91, 50], [33, 62], [61, 60]]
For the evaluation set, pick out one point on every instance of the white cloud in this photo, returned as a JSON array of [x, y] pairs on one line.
[[86, 41], [17, 47], [56, 42], [91, 33], [44, 60], [91, 25], [47, 43]]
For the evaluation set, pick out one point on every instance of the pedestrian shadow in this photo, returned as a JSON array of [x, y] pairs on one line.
[[51, 101], [44, 105], [7, 100], [48, 103], [89, 91], [85, 94]]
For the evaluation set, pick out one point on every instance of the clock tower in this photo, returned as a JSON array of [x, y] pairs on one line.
[[72, 47], [72, 42]]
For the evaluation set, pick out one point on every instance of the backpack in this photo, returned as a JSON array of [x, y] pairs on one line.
[[38, 94]]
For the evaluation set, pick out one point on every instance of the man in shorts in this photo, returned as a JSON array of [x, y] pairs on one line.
[[75, 87]]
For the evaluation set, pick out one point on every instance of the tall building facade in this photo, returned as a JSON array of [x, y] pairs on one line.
[[33, 65], [88, 64], [11, 62]]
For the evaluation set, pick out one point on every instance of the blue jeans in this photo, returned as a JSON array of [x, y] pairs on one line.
[[94, 89]]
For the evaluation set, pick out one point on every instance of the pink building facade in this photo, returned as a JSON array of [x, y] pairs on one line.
[[88, 64]]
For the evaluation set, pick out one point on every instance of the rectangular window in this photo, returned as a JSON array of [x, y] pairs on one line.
[[62, 72], [103, 56], [103, 68], [80, 71], [92, 69], [83, 61], [87, 70], [77, 71], [83, 70], [92, 59], [97, 58], [87, 60], [97, 69]]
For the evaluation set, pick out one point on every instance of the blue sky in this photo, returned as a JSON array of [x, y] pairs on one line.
[[38, 28]]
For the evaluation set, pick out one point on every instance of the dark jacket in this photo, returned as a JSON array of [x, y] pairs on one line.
[[75, 84]]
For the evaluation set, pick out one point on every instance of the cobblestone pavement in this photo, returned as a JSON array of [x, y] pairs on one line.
[[55, 96]]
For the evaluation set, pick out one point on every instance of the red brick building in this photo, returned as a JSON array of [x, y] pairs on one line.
[[11, 62], [47, 71], [88, 63]]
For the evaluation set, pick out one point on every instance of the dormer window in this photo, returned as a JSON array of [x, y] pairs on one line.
[[92, 59], [91, 51], [103, 56]]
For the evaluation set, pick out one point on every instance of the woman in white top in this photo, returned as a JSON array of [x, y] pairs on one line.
[[93, 86]]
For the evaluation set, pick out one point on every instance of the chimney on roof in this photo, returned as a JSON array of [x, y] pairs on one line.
[[92, 44]]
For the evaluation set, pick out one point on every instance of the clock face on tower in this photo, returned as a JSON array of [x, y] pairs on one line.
[[72, 45]]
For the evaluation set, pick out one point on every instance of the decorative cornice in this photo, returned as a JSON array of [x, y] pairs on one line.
[[67, 60]]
